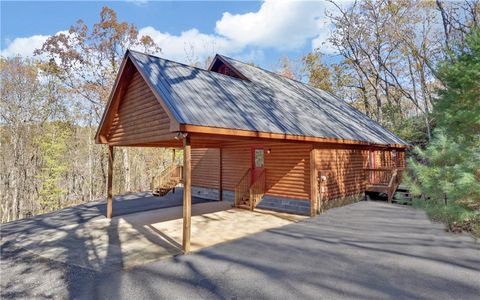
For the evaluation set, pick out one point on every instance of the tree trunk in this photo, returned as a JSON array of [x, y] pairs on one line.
[[126, 169], [425, 101]]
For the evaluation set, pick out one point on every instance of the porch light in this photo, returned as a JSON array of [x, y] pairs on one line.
[[180, 135], [269, 151]]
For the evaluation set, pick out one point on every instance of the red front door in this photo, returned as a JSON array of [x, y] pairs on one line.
[[258, 159]]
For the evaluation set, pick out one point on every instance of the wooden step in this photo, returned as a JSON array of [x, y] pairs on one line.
[[403, 188]]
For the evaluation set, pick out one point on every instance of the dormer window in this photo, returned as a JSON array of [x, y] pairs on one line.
[[225, 70], [220, 66]]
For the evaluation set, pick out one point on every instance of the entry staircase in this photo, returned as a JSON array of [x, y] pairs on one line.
[[166, 181], [387, 181], [248, 193]]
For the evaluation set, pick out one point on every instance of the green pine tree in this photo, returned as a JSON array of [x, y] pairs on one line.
[[449, 167], [53, 148]]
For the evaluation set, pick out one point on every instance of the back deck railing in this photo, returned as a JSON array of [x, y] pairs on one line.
[[384, 180], [380, 176]]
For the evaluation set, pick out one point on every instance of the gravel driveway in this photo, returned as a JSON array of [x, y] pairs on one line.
[[367, 250]]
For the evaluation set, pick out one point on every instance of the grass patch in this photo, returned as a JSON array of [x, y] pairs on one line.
[[457, 218]]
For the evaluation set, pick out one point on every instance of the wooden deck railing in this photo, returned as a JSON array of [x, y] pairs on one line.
[[380, 176], [242, 187], [384, 180], [177, 172], [159, 181], [257, 190]]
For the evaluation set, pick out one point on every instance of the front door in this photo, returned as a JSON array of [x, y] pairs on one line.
[[258, 157]]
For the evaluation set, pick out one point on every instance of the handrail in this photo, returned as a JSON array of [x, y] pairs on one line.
[[172, 171], [392, 185], [159, 178], [378, 169], [378, 176], [242, 187], [257, 190], [387, 177]]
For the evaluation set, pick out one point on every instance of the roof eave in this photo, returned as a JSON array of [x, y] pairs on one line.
[[100, 138], [199, 129]]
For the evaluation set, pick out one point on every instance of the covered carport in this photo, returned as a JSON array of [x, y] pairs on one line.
[[136, 116]]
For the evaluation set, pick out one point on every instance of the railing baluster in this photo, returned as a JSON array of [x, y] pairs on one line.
[[166, 176], [254, 191], [242, 187]]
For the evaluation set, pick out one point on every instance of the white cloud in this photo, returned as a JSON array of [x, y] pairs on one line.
[[190, 45], [24, 46], [283, 25], [278, 24], [321, 42], [140, 3], [252, 55]]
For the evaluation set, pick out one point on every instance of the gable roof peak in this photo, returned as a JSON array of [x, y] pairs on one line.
[[266, 102]]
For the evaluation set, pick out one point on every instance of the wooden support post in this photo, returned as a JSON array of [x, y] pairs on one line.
[[313, 184], [173, 156], [187, 193], [322, 182], [109, 182], [221, 177]]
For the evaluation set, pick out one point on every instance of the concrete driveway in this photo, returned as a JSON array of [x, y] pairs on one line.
[[366, 250]]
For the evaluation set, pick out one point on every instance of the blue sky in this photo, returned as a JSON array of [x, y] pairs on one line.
[[259, 32]]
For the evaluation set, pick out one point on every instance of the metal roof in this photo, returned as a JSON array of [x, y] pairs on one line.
[[267, 102]]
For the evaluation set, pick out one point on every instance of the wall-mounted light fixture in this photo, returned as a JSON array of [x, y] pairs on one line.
[[181, 135], [269, 150]]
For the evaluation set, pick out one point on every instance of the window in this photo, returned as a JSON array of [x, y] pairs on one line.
[[259, 158], [221, 68]]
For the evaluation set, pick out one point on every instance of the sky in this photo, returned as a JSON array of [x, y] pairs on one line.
[[258, 32]]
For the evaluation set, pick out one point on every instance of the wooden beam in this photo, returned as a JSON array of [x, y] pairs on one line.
[[220, 188], [313, 183], [118, 88], [187, 193], [167, 138], [278, 136], [109, 182]]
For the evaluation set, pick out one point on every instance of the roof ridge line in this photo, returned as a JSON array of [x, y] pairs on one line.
[[159, 57], [271, 72], [183, 64]]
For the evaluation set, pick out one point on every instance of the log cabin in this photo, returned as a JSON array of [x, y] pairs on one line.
[[249, 136]]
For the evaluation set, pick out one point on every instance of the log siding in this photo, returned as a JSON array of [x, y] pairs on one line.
[[206, 167], [140, 117], [344, 168], [287, 167]]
